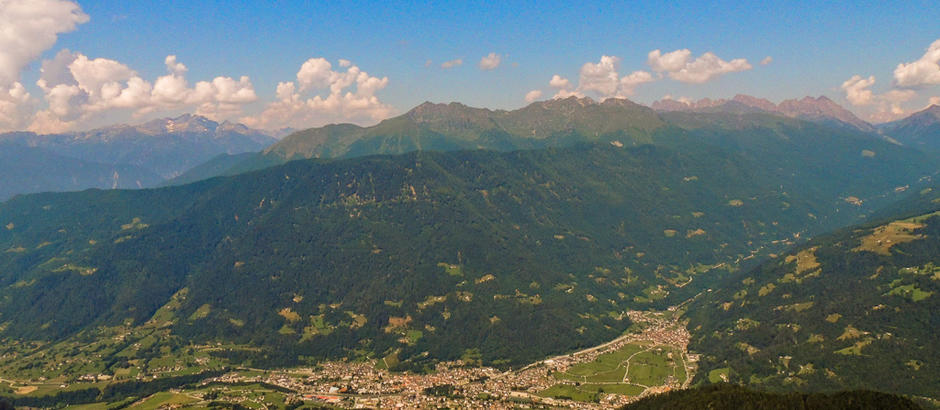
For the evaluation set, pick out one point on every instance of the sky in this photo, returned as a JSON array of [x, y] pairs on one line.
[[75, 64]]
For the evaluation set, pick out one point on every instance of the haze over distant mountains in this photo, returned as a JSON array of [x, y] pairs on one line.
[[921, 130], [819, 109], [120, 156]]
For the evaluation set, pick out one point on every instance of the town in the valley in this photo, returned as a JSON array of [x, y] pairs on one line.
[[455, 384]]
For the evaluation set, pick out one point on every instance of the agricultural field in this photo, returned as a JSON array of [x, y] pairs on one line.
[[630, 370]]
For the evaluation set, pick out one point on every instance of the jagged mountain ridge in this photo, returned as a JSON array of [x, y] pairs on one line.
[[456, 126], [556, 122], [819, 109]]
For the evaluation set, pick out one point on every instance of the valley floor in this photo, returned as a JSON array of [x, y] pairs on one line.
[[650, 358]]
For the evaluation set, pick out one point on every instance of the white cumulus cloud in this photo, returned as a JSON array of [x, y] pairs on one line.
[[15, 106], [563, 85], [888, 105], [559, 82], [925, 71], [629, 82], [533, 95], [767, 60], [669, 62], [894, 98], [680, 66], [78, 89], [857, 90], [347, 96], [934, 101], [27, 29], [452, 63], [601, 79], [490, 61]]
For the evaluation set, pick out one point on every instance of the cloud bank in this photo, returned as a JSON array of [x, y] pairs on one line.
[[909, 79], [680, 66], [602, 79], [923, 72], [348, 95], [77, 88]]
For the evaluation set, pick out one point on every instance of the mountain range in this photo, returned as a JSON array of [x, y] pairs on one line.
[[121, 156], [551, 123], [819, 109], [190, 148]]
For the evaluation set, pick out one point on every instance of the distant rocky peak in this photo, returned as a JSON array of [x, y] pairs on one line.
[[434, 112], [619, 102], [565, 104], [191, 123], [761, 103], [233, 126], [811, 108], [810, 105], [669, 104], [182, 123], [822, 107]]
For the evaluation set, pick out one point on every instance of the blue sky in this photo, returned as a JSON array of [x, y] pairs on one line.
[[814, 48]]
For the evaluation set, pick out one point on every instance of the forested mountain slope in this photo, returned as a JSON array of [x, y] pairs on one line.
[[841, 311], [505, 257]]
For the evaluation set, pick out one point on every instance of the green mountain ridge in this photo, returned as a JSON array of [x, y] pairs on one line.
[[724, 396], [552, 123], [454, 126]]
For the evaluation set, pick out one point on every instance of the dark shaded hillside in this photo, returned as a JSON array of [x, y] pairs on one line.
[[810, 155], [504, 257], [839, 312], [724, 396], [221, 164]]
